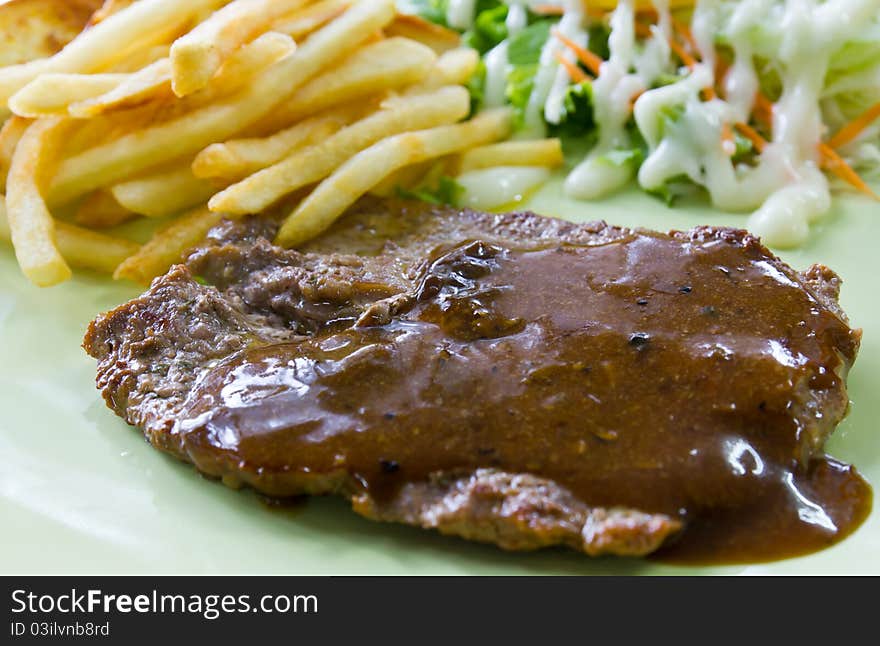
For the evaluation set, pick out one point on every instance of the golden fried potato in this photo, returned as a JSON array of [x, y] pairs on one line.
[[367, 169], [32, 29]]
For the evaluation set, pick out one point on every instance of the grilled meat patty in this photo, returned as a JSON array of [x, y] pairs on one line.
[[513, 379]]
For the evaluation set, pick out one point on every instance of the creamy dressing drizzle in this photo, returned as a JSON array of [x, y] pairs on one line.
[[785, 189], [496, 60], [571, 26], [460, 13], [552, 80], [613, 92]]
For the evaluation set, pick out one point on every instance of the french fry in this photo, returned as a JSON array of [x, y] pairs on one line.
[[378, 67], [109, 41], [299, 24], [107, 9], [10, 135], [50, 94], [35, 29], [404, 178], [167, 246], [166, 192], [88, 133], [92, 250], [541, 152], [245, 64], [32, 226], [368, 168], [266, 187], [189, 133], [453, 67], [437, 37], [239, 158], [100, 210], [153, 81], [140, 59], [80, 247], [197, 56]]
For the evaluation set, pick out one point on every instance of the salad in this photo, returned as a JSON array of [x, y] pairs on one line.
[[764, 106]]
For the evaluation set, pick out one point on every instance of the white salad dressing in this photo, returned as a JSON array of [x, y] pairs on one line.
[[549, 73], [496, 187], [621, 78], [571, 26], [517, 17], [786, 186], [741, 83], [460, 13], [704, 28], [497, 61], [495, 85], [686, 134]]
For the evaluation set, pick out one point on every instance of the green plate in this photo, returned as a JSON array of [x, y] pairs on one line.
[[80, 492]]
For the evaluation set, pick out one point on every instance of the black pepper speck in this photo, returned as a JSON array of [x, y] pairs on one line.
[[389, 466]]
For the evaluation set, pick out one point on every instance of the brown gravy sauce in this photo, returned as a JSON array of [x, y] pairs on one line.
[[653, 374]]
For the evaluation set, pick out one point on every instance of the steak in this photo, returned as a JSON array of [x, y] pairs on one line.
[[511, 379]]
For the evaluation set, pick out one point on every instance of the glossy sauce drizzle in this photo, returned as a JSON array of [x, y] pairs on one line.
[[672, 376]]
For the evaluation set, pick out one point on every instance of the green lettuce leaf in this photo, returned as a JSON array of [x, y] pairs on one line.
[[577, 115], [476, 87], [675, 189], [447, 191], [524, 55], [520, 83], [622, 157], [490, 27], [525, 47], [431, 10]]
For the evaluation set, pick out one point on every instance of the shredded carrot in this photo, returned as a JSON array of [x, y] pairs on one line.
[[752, 135], [763, 109], [642, 30], [682, 30], [635, 97], [585, 56], [574, 72], [855, 127], [685, 56], [682, 53], [708, 93], [830, 160], [548, 10], [721, 67], [835, 164]]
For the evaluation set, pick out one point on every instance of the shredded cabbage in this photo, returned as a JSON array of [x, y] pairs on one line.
[[741, 104]]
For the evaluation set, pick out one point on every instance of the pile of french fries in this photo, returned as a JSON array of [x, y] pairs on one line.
[[191, 112]]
